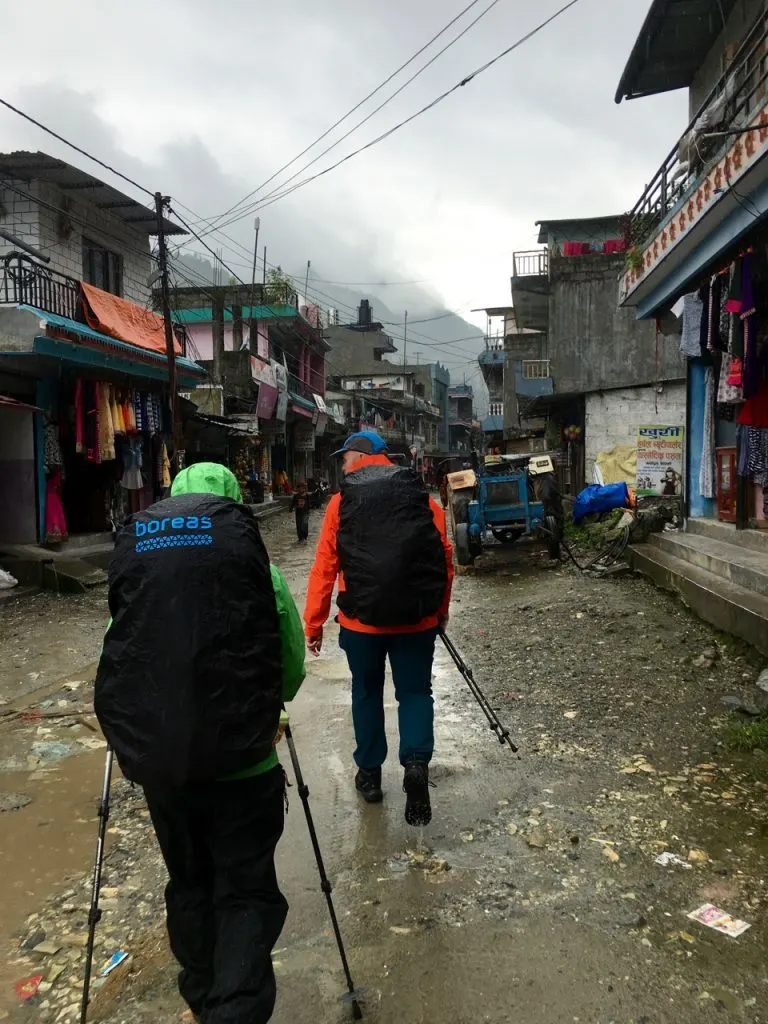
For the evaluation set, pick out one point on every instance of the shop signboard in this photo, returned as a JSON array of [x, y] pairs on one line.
[[303, 438], [660, 453]]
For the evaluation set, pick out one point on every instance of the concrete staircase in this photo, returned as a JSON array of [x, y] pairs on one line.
[[720, 572]]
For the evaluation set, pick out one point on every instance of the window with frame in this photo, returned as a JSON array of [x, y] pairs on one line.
[[102, 267]]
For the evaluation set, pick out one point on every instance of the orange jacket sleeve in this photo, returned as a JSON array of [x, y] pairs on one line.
[[322, 578], [439, 517]]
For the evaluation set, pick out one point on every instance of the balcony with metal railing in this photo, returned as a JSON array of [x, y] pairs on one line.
[[25, 282], [531, 264], [709, 188], [530, 289]]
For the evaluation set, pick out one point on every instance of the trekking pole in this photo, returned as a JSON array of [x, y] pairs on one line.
[[94, 914], [353, 995], [501, 731]]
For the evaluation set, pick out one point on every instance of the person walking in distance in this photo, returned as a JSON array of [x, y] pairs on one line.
[[204, 646], [385, 541], [300, 508]]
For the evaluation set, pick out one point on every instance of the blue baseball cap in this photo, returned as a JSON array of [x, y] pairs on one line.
[[366, 441]]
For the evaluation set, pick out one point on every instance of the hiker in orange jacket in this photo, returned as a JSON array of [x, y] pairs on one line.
[[385, 541]]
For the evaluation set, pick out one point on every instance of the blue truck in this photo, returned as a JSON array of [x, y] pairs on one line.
[[503, 498]]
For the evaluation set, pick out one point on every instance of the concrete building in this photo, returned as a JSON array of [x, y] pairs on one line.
[[609, 373], [79, 350], [696, 238], [267, 378], [87, 230], [463, 428], [358, 355], [516, 371]]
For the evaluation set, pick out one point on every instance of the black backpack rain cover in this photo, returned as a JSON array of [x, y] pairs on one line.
[[189, 686], [390, 551]]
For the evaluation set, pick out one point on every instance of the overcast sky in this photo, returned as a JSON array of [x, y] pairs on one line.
[[238, 88]]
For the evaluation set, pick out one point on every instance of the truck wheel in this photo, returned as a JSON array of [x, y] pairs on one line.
[[464, 554]]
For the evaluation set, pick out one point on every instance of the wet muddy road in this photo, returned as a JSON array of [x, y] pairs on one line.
[[534, 895]]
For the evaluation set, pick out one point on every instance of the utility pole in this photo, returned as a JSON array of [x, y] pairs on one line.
[[405, 366], [170, 338], [306, 283], [256, 226]]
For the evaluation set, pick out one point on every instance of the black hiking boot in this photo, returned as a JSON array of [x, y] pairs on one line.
[[418, 810], [368, 785]]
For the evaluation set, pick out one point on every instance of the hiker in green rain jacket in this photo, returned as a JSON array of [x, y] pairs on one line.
[[204, 647]]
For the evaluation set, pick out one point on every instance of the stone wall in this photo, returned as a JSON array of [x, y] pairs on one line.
[[41, 228], [612, 417]]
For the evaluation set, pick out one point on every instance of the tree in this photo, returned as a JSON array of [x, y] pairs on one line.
[[280, 289]]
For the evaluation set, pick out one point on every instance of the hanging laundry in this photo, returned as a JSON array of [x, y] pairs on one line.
[[753, 454], [729, 393], [165, 467]]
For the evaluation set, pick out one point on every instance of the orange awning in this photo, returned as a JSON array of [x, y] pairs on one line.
[[124, 320]]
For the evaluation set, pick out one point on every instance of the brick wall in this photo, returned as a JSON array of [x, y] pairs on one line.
[[612, 417], [39, 227]]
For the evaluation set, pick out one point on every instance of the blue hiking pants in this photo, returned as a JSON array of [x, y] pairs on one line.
[[410, 657]]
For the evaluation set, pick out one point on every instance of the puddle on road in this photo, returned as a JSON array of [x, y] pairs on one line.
[[44, 843]]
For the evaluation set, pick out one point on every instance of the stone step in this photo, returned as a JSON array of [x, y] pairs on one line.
[[742, 566], [83, 541], [754, 540], [725, 605]]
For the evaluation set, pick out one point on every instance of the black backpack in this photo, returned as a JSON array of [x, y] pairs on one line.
[[189, 685], [390, 551]]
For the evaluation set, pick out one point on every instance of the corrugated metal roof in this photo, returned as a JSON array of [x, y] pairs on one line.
[[673, 42], [577, 222], [73, 181]]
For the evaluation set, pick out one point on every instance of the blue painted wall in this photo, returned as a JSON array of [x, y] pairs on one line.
[[699, 508]]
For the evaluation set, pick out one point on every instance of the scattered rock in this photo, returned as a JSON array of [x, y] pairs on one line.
[[13, 801], [762, 681], [742, 704], [537, 839]]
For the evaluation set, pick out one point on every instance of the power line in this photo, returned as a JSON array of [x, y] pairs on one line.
[[269, 200], [7, 183], [83, 152], [245, 210], [348, 114]]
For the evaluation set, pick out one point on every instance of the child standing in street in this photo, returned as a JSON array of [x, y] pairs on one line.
[[300, 508]]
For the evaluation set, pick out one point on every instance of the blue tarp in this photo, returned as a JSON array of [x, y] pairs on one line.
[[595, 499]]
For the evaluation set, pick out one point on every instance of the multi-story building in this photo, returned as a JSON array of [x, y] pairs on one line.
[[696, 246], [705, 207], [515, 370], [413, 413], [606, 373], [86, 412], [267, 377], [462, 426]]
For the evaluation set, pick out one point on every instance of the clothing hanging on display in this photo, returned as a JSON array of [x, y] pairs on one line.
[[55, 519], [690, 340], [133, 460], [52, 456], [707, 471]]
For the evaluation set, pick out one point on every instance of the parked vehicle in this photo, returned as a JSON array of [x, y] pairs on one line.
[[505, 497]]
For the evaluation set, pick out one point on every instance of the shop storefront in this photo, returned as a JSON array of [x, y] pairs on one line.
[[725, 337], [102, 440]]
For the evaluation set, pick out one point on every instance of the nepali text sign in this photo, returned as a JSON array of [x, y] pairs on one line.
[[660, 460]]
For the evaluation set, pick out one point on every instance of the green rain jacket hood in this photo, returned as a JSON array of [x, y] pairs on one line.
[[207, 478]]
